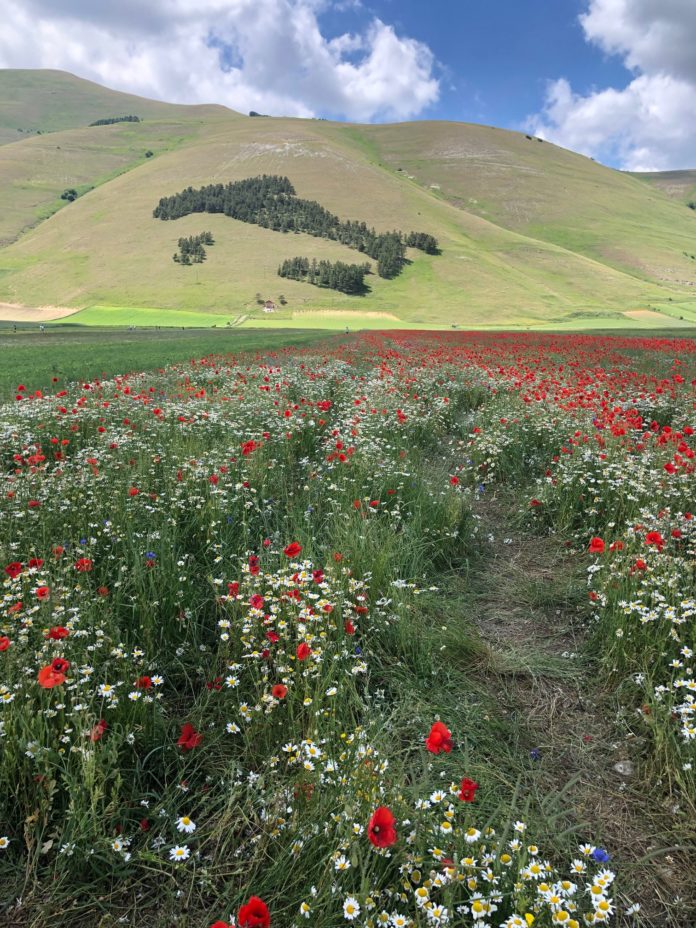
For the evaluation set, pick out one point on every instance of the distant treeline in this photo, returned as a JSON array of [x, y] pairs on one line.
[[191, 250], [270, 201], [348, 278], [112, 119]]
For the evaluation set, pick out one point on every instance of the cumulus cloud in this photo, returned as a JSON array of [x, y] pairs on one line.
[[267, 55], [650, 124]]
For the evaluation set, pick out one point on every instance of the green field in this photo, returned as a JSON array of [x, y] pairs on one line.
[[531, 234], [34, 359], [144, 316]]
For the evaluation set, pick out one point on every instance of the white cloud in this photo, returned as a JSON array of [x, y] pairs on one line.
[[267, 55], [650, 124]]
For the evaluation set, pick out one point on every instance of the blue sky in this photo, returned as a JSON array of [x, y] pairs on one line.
[[494, 59], [613, 79]]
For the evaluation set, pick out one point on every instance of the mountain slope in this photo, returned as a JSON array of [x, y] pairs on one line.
[[35, 169], [530, 233], [679, 185], [550, 193], [49, 101]]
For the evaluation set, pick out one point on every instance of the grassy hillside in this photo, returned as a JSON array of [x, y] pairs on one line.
[[679, 185], [531, 234], [36, 168], [547, 192], [44, 101]]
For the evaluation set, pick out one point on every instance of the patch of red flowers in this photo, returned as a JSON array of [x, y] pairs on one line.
[[189, 737], [467, 790], [53, 674], [381, 829], [439, 739], [98, 730], [254, 914]]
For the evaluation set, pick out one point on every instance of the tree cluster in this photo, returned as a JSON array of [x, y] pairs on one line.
[[347, 278], [270, 201], [70, 194], [191, 250], [423, 241], [112, 119]]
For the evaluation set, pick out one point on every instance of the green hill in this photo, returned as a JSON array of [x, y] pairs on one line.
[[531, 234], [44, 101], [679, 185]]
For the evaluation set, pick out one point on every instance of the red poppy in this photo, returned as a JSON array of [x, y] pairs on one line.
[[103, 591], [36, 562], [467, 790], [254, 565], [189, 737], [233, 588], [256, 601], [143, 683], [348, 627], [98, 730], [4, 643], [656, 539], [133, 491], [84, 565], [381, 830], [279, 691], [219, 924], [53, 674], [254, 914], [14, 569], [439, 739], [596, 546], [43, 592], [293, 549], [303, 651], [454, 481]]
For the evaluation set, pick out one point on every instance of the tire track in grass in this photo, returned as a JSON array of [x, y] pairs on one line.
[[527, 599]]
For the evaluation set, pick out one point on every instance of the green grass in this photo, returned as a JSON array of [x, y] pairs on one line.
[[49, 101], [144, 316], [72, 354]]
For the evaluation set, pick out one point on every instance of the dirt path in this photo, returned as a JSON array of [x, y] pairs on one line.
[[529, 600]]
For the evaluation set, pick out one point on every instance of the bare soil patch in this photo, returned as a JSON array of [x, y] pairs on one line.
[[16, 312]]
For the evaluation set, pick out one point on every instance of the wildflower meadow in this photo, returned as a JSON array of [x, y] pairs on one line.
[[240, 678]]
